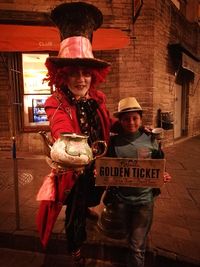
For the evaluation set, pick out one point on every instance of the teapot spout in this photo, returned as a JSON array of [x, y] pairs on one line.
[[47, 143]]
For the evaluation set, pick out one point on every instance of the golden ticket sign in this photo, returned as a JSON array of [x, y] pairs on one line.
[[129, 172]]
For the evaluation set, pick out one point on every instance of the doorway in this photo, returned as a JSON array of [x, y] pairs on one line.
[[181, 108]]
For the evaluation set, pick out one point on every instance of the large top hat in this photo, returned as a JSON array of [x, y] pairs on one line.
[[76, 22], [127, 104]]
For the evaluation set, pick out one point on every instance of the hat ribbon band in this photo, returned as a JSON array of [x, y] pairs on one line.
[[76, 47], [127, 109]]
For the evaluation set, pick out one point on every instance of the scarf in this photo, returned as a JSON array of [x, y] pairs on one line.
[[87, 115]]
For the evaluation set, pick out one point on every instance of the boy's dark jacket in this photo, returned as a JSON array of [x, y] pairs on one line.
[[111, 192]]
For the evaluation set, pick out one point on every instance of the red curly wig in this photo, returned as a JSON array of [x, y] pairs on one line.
[[57, 76]]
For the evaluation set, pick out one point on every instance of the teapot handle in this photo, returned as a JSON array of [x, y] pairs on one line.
[[95, 149]]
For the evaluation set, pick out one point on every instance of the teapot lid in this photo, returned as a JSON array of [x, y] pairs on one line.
[[73, 135]]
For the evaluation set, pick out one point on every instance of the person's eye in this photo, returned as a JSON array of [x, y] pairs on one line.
[[72, 73], [87, 73], [125, 119]]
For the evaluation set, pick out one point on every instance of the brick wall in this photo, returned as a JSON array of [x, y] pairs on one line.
[[171, 26], [5, 108], [163, 97], [143, 69]]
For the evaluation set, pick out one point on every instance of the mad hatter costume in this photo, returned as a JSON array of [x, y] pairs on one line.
[[68, 113]]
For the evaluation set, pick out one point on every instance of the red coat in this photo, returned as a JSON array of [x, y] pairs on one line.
[[62, 118]]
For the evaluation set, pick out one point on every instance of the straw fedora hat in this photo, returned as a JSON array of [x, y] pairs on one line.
[[76, 22], [127, 104]]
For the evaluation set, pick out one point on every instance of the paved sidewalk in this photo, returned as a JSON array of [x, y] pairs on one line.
[[175, 233], [20, 258]]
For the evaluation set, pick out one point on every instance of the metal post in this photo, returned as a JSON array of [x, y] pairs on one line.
[[16, 184]]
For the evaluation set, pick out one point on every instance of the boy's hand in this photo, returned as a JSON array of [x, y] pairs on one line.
[[167, 177]]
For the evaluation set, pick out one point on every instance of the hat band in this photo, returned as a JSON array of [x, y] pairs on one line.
[[76, 47], [131, 108]]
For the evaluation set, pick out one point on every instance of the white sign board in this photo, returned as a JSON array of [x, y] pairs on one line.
[[129, 172]]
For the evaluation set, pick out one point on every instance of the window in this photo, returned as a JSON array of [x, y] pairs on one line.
[[35, 90]]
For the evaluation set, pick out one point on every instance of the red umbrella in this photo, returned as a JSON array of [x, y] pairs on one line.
[[45, 220]]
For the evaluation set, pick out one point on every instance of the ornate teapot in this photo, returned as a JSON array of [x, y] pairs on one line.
[[71, 150]]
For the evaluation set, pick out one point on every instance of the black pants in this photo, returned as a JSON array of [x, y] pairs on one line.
[[84, 194]]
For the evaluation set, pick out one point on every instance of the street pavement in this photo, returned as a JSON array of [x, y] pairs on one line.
[[20, 258], [173, 240]]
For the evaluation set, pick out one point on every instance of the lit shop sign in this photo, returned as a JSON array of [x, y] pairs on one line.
[[46, 44], [190, 64], [34, 72], [130, 172], [33, 82]]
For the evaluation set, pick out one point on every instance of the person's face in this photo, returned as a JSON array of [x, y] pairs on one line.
[[130, 121], [79, 81]]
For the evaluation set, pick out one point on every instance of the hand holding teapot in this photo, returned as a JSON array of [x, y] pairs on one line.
[[71, 150]]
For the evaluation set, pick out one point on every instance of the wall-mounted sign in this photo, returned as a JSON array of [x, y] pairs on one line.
[[130, 172], [137, 5], [28, 38]]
